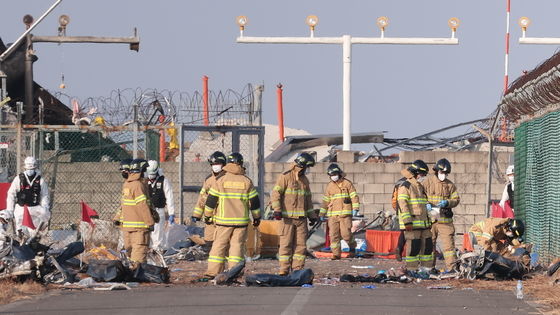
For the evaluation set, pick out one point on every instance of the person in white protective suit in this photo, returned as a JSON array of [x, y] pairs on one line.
[[508, 190], [161, 196], [28, 188]]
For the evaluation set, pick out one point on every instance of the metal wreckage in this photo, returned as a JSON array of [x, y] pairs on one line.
[[26, 258]]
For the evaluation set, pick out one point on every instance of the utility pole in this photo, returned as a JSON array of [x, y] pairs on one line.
[[347, 41]]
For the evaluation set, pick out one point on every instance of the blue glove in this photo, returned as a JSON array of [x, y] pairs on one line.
[[171, 219], [443, 204], [355, 212], [323, 218], [429, 206], [195, 219]]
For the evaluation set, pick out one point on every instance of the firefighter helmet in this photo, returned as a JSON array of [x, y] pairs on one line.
[[517, 227], [235, 158], [443, 165], [138, 166], [334, 169], [304, 160], [418, 167], [217, 158], [125, 165]]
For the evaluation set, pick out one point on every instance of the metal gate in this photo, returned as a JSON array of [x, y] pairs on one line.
[[199, 142]]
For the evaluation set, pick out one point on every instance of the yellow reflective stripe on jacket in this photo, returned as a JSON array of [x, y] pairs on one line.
[[445, 220], [231, 221], [198, 211], [135, 201], [256, 212], [134, 224], [403, 197], [278, 188], [322, 211], [253, 194], [454, 195], [340, 196], [487, 236], [326, 198], [340, 212], [353, 194], [355, 205], [275, 204], [294, 213], [203, 191], [300, 192], [418, 201]]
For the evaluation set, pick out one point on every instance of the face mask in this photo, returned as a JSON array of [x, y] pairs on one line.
[[335, 178], [420, 178], [509, 234], [29, 173], [124, 175], [216, 168], [441, 176], [307, 171], [511, 178], [152, 176]]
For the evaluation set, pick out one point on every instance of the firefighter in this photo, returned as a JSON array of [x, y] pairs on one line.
[[340, 203], [28, 190], [497, 234], [125, 167], [413, 217], [229, 202], [507, 195], [395, 204], [135, 218], [217, 162], [442, 198], [161, 197], [291, 202]]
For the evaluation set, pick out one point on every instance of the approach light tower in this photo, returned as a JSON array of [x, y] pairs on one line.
[[347, 41]]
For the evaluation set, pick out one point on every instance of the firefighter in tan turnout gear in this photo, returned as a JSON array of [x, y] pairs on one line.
[[135, 218], [291, 202], [229, 202], [498, 235], [340, 202], [442, 198], [413, 217], [217, 162]]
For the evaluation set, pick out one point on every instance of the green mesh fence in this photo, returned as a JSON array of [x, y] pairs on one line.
[[537, 182]]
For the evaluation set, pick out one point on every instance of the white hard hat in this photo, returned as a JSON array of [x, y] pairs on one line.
[[509, 170], [153, 167], [30, 163]]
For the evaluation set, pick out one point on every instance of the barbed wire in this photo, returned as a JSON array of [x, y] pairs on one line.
[[227, 107]]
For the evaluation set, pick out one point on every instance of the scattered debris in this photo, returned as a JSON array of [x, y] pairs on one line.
[[362, 267], [231, 276], [440, 287], [369, 287]]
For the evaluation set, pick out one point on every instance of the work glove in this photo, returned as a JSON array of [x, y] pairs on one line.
[[443, 204], [171, 219], [195, 219], [429, 206], [323, 218], [208, 220], [256, 222], [355, 212], [277, 215], [151, 228], [116, 223], [312, 221], [408, 227]]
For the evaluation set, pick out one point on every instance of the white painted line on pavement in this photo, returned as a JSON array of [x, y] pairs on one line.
[[299, 301]]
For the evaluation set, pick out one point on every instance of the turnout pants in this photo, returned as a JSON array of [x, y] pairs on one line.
[[232, 237], [419, 248], [292, 244], [209, 230], [446, 234], [136, 245], [341, 228], [158, 235]]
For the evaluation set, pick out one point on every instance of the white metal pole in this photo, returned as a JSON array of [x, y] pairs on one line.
[[346, 87]]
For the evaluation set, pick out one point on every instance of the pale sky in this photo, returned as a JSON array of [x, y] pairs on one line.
[[405, 90]]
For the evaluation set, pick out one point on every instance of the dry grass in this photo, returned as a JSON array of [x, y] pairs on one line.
[[11, 291]]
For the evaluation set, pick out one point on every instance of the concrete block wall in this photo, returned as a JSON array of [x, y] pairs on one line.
[[100, 184]]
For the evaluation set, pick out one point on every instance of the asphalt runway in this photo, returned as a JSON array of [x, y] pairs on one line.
[[254, 300]]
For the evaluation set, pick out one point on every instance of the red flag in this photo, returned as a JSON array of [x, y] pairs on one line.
[[27, 220], [88, 213]]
